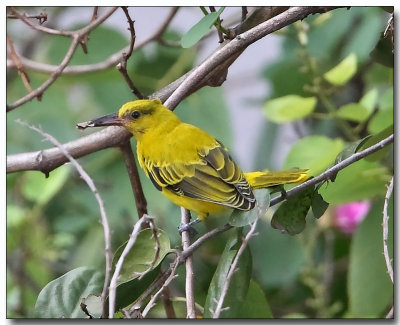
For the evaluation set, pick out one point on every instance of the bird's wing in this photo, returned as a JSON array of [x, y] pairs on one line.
[[214, 177]]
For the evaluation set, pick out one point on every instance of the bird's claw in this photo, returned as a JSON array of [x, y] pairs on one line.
[[188, 227]]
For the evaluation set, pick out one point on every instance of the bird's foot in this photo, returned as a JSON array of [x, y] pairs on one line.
[[189, 227]]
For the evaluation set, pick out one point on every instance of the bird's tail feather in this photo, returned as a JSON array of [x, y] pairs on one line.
[[268, 178]]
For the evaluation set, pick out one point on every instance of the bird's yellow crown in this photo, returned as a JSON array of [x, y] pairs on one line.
[[139, 116]]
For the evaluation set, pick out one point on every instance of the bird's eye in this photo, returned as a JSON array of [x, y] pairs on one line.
[[135, 115]]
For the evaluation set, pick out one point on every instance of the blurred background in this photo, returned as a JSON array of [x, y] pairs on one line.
[[53, 224]]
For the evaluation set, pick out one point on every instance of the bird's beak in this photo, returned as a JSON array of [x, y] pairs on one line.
[[107, 120]]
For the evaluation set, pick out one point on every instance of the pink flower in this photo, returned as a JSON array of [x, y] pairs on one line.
[[349, 216]]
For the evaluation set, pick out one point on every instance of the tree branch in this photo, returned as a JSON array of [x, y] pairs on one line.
[[49, 159], [20, 67], [189, 284], [118, 265], [125, 56], [236, 46], [386, 230], [130, 164], [95, 143], [331, 172], [233, 269], [92, 186], [109, 62], [76, 39]]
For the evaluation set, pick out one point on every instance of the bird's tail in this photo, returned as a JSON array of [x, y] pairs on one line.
[[267, 178]]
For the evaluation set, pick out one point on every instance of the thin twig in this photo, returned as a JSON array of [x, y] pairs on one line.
[[189, 284], [107, 63], [244, 13], [125, 56], [180, 259], [39, 91], [220, 35], [95, 13], [331, 172], [20, 68], [386, 230], [42, 17], [76, 39], [233, 269], [118, 265], [157, 247], [133, 173], [171, 276], [92, 186], [40, 28], [168, 306]]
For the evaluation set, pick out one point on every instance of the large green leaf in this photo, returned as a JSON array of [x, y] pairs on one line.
[[381, 121], [195, 34], [142, 254], [369, 287], [239, 284], [315, 153], [256, 304], [61, 298], [273, 252], [369, 100], [128, 292], [289, 108], [353, 112], [290, 217], [342, 72], [40, 189], [360, 181]]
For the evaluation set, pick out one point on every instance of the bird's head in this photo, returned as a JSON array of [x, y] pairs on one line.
[[137, 116]]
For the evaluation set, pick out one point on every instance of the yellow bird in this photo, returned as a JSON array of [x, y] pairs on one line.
[[189, 166]]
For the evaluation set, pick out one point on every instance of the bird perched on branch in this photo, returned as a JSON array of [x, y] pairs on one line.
[[189, 166]]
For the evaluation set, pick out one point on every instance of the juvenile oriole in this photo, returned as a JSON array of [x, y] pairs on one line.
[[189, 166]]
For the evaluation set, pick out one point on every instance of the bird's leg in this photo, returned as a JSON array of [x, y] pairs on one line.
[[189, 227]]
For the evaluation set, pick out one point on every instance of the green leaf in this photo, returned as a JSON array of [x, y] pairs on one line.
[[193, 35], [242, 218], [239, 284], [382, 53], [380, 121], [342, 72], [353, 112], [273, 252], [128, 292], [369, 100], [386, 100], [369, 287], [289, 108], [315, 153], [359, 181], [61, 297], [40, 189], [93, 305], [142, 254], [255, 304], [290, 217], [318, 205], [350, 149]]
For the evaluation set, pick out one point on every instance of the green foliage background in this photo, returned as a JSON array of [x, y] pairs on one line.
[[53, 224]]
